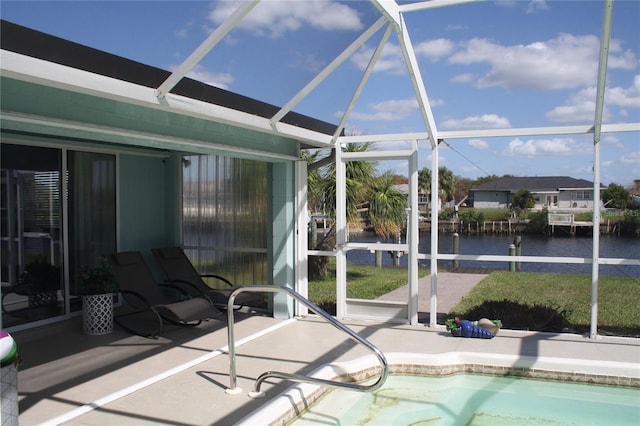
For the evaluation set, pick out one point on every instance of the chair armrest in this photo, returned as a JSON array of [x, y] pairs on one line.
[[223, 279]]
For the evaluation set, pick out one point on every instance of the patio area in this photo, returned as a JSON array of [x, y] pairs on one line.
[[181, 377]]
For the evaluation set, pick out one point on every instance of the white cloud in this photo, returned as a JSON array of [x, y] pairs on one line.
[[221, 80], [485, 121], [455, 27], [564, 62], [309, 62], [536, 6], [463, 78], [478, 144], [275, 18], [632, 158], [393, 110], [579, 108], [612, 140], [619, 59], [351, 130], [434, 50], [390, 59], [567, 61], [506, 3], [625, 98], [545, 147], [181, 33]]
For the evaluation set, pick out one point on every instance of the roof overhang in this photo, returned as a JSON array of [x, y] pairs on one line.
[[37, 71]]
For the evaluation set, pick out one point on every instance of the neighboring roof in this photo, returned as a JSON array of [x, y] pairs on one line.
[[402, 187], [534, 184], [36, 44]]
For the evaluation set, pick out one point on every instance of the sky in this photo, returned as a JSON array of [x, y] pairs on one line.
[[485, 65]]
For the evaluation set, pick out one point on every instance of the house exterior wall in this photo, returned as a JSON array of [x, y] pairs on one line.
[[545, 199], [491, 200], [576, 199], [282, 238], [145, 203], [149, 179], [566, 199]]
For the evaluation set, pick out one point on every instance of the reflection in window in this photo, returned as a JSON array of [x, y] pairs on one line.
[[32, 277], [224, 216], [92, 211]]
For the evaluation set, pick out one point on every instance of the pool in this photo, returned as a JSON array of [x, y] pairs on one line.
[[471, 399], [464, 388]]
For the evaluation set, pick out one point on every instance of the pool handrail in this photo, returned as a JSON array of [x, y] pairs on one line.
[[233, 389]]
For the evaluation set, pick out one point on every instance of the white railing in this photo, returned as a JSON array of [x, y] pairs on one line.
[[233, 389]]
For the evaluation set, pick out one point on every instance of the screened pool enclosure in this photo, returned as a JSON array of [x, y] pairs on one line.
[[168, 158]]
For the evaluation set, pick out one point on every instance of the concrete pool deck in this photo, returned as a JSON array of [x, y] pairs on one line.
[[180, 379]]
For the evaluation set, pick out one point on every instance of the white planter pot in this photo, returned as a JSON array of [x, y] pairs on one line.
[[97, 314], [9, 377]]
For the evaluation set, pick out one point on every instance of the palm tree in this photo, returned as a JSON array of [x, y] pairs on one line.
[[523, 199], [446, 184], [387, 208], [322, 188], [424, 180], [314, 179], [358, 175]]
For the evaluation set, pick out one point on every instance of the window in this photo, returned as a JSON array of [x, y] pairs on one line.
[[92, 211], [224, 204], [583, 195], [32, 227], [32, 273]]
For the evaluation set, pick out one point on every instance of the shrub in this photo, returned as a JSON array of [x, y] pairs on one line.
[[631, 223], [445, 214], [471, 216], [538, 222], [518, 316]]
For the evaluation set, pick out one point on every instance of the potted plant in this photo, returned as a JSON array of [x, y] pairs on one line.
[[96, 288], [40, 282]]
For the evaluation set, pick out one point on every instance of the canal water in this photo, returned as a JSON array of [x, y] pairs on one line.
[[498, 244]]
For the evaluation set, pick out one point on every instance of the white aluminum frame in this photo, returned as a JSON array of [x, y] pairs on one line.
[[410, 309]]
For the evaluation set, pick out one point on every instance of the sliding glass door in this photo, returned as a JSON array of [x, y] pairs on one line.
[[32, 264], [92, 213], [39, 278]]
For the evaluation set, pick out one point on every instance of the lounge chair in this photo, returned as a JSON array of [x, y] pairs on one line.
[[147, 305], [179, 271]]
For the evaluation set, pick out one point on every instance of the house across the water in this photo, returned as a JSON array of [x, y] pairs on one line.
[[552, 192]]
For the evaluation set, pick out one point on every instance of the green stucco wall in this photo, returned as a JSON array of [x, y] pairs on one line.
[[147, 202], [282, 239], [57, 104]]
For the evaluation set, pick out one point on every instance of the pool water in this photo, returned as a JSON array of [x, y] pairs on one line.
[[467, 399]]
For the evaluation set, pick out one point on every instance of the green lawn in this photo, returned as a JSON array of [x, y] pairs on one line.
[[567, 295], [363, 282]]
